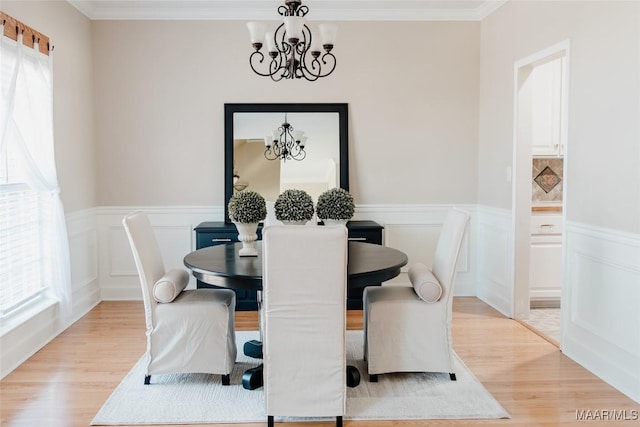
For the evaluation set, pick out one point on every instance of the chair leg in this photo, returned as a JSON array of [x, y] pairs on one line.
[[147, 379], [373, 378], [452, 376], [339, 421], [270, 420], [226, 379]]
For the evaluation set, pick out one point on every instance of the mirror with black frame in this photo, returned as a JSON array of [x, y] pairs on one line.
[[325, 164]]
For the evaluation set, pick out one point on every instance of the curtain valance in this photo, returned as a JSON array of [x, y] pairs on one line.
[[12, 26]]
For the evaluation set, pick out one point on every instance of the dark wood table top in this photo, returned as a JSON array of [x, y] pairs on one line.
[[220, 265]]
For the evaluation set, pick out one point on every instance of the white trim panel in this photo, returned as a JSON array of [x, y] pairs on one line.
[[173, 227], [411, 228], [44, 323], [494, 271], [601, 316]]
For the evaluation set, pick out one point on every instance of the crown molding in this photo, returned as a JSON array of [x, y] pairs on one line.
[[338, 10]]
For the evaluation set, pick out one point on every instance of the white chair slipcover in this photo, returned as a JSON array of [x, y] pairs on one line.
[[408, 332], [304, 297], [192, 333]]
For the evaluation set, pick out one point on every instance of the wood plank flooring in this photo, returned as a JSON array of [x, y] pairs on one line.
[[66, 383]]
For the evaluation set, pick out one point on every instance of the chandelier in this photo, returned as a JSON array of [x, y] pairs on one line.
[[293, 51], [285, 143]]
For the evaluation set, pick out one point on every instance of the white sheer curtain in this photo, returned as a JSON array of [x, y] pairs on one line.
[[27, 157]]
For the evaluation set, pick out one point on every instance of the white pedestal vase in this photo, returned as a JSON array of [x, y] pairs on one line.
[[247, 234]]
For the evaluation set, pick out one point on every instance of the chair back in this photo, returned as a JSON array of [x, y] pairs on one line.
[[448, 249], [147, 256], [304, 298]]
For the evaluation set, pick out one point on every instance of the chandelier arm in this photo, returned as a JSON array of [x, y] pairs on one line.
[[308, 74], [269, 154], [260, 56], [278, 38], [286, 54], [331, 62], [276, 68]]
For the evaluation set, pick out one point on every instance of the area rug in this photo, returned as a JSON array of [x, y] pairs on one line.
[[201, 398]]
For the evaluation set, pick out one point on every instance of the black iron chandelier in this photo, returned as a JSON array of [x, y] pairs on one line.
[[285, 143], [293, 51]]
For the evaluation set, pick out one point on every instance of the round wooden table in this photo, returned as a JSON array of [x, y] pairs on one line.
[[220, 265]]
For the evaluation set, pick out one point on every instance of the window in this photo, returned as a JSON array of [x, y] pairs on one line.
[[20, 276], [34, 254]]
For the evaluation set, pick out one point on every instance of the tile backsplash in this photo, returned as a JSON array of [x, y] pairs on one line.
[[546, 180]]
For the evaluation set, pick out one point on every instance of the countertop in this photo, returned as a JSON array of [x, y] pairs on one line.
[[546, 208]]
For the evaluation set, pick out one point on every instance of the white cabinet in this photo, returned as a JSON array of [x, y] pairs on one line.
[[546, 109], [545, 268]]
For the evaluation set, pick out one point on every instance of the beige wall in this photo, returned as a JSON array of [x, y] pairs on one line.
[[70, 33], [603, 154], [412, 90]]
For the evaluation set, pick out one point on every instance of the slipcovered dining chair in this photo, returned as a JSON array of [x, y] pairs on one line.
[[408, 329], [188, 331], [304, 315]]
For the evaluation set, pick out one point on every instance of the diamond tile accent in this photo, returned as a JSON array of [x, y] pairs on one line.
[[547, 179]]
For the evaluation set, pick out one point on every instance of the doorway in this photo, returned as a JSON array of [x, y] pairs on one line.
[[541, 83]]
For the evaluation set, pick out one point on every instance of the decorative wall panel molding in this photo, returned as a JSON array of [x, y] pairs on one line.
[[601, 320], [173, 226], [411, 228], [494, 264], [27, 337]]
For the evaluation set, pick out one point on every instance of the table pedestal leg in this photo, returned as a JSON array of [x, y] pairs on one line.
[[253, 349], [252, 378]]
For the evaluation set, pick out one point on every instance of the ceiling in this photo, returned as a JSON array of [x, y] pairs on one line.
[[334, 10]]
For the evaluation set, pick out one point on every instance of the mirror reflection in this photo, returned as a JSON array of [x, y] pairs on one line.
[[318, 171]]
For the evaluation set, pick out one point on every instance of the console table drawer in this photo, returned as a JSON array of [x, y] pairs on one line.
[[368, 236], [209, 239]]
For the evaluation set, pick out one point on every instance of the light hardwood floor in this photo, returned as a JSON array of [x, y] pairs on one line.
[[66, 383]]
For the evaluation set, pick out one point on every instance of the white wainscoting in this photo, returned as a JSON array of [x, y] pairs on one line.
[[600, 297], [414, 229], [494, 266], [601, 304], [173, 227], [25, 337], [411, 228]]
